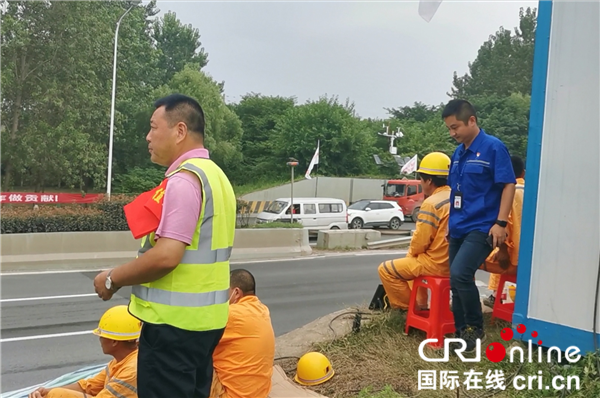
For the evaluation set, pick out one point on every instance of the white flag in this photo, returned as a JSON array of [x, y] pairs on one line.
[[410, 166], [314, 160], [427, 8]]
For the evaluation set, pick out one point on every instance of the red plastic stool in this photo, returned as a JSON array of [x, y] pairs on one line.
[[501, 310], [438, 320]]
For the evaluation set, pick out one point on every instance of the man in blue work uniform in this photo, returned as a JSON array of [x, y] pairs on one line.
[[483, 186]]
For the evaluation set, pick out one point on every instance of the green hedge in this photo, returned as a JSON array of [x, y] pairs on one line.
[[100, 216]]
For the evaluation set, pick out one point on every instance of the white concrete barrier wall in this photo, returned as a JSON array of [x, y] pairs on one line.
[[348, 239], [82, 250], [347, 189]]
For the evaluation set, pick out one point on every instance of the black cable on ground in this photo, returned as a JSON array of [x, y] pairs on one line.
[[280, 358], [357, 312]]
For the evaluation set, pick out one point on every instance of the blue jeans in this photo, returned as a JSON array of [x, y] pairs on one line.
[[466, 255]]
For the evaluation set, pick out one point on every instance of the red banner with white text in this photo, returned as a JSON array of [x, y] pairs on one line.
[[42, 198]]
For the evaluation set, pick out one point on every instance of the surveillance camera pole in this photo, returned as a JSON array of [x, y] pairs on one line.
[[292, 164]]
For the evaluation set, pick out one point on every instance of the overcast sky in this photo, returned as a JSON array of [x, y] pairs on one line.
[[377, 54]]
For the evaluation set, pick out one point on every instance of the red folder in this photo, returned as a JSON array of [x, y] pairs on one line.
[[144, 212]]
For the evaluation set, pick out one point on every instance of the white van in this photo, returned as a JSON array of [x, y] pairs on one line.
[[313, 213]]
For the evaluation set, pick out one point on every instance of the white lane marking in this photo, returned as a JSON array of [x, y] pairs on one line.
[[12, 300], [65, 271], [283, 259], [45, 336]]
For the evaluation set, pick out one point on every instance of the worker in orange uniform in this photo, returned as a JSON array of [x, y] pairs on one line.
[[428, 252], [505, 259], [243, 359], [118, 331]]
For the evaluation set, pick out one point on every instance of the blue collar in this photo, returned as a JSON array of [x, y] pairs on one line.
[[476, 144]]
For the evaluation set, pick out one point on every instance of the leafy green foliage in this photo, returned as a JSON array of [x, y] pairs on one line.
[[139, 180], [507, 118], [504, 63], [259, 115], [346, 147], [56, 97], [223, 130], [179, 45]]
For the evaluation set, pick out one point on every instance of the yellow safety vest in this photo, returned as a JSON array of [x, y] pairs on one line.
[[195, 295]]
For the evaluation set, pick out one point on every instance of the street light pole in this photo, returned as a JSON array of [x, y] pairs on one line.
[[293, 163], [112, 105]]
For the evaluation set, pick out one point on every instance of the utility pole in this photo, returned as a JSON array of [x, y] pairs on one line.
[[292, 163]]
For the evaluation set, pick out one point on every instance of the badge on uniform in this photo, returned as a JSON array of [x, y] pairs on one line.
[[458, 200]]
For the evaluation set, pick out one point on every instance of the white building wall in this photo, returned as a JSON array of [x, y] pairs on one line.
[[567, 233], [347, 189]]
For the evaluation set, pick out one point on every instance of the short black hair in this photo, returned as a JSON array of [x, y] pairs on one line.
[[181, 108], [518, 165], [438, 181], [244, 280], [462, 110]]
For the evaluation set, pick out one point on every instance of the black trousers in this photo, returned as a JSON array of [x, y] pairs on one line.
[[175, 363]]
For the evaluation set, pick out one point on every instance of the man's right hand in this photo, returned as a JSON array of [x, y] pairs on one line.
[[39, 393]]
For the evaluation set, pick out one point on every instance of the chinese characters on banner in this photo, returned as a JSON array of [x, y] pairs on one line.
[[449, 380], [35, 197]]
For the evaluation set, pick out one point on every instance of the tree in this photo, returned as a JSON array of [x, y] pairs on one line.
[[223, 129], [504, 63], [419, 112], [259, 115], [56, 92], [346, 148], [178, 45], [506, 118]]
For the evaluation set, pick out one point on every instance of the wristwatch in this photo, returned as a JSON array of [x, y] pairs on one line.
[[503, 224], [109, 283]]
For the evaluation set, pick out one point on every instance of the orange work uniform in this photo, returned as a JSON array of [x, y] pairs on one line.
[[117, 380], [243, 359], [427, 254], [513, 230]]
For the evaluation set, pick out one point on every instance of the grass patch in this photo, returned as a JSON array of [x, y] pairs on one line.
[[277, 224], [381, 362]]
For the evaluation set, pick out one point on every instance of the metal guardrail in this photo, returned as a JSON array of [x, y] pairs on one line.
[[389, 242]]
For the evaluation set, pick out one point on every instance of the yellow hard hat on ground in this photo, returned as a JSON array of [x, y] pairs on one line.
[[313, 368], [435, 164], [118, 324]]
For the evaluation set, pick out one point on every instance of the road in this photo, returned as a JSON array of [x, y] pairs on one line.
[[47, 317]]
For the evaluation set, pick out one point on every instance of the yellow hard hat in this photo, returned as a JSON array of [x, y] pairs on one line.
[[435, 164], [118, 324], [313, 368]]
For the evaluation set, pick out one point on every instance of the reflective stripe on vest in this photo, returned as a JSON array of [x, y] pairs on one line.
[[179, 299]]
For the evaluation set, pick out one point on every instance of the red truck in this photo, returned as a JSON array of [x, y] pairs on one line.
[[407, 193]]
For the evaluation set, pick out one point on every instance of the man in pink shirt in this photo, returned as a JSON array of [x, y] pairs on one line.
[[176, 361]]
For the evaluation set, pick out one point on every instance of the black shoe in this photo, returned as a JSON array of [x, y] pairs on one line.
[[470, 336], [456, 345]]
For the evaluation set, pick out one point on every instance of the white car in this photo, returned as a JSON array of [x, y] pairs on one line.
[[375, 213], [313, 213]]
